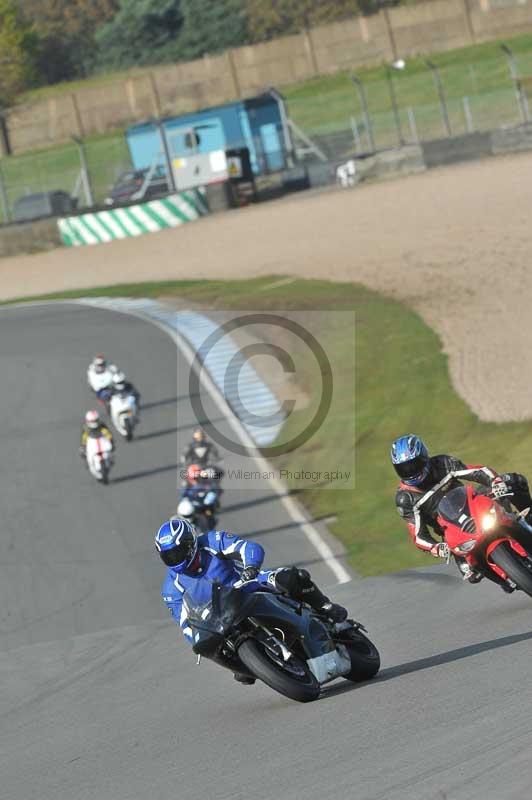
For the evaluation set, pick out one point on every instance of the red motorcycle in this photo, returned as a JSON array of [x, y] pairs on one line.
[[492, 538]]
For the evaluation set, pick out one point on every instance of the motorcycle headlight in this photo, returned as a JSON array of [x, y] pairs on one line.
[[466, 547], [489, 521]]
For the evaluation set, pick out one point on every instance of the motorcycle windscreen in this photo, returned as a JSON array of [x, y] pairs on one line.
[[454, 505], [215, 608]]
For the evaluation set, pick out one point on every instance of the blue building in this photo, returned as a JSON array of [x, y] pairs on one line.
[[258, 123]]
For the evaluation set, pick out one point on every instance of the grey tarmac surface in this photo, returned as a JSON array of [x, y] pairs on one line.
[[100, 698]]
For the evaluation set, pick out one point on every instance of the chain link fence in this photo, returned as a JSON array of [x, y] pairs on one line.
[[406, 105], [82, 171], [330, 119]]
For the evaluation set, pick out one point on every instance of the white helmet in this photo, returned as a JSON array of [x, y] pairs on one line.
[[92, 420], [100, 363], [119, 381], [185, 509]]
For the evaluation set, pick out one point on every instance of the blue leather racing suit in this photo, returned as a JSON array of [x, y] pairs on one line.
[[220, 558]]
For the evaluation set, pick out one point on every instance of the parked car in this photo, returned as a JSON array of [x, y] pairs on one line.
[[42, 205], [135, 185]]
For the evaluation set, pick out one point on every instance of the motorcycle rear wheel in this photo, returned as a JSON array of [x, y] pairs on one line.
[[303, 690], [365, 658], [511, 563]]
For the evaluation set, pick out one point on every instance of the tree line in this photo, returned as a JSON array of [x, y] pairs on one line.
[[47, 41]]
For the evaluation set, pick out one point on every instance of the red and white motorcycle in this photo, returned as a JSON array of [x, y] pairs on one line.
[[98, 452], [481, 527]]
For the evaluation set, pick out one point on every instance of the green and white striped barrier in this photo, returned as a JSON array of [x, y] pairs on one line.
[[122, 223]]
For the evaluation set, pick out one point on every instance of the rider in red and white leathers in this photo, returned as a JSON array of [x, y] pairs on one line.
[[428, 472]]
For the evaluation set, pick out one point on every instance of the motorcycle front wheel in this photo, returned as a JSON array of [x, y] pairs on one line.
[[512, 564], [293, 680]]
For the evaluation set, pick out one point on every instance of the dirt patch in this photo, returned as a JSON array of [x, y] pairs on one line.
[[454, 243]]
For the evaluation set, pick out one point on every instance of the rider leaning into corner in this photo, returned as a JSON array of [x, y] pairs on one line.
[[222, 557], [420, 472], [93, 426]]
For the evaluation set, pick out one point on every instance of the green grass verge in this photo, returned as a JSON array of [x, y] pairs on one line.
[[402, 385]]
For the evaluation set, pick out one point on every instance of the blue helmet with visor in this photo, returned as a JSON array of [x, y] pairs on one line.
[[177, 543], [410, 459]]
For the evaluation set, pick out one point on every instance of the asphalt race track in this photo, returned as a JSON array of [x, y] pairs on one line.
[[99, 696]]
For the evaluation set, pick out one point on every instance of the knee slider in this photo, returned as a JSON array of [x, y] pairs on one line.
[[286, 579], [295, 582]]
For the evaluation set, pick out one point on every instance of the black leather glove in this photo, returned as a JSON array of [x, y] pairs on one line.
[[249, 574]]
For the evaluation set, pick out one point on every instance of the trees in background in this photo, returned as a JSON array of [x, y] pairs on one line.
[[210, 27], [65, 31], [67, 39], [17, 46], [141, 32]]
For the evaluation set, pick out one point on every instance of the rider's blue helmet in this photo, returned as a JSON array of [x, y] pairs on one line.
[[410, 459], [177, 544]]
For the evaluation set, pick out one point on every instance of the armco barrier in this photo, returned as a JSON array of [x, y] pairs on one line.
[[121, 223], [470, 146], [29, 237]]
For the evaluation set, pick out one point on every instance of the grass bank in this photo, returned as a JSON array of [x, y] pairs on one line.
[[402, 385]]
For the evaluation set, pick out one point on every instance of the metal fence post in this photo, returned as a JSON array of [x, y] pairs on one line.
[[468, 115], [89, 197], [356, 134], [363, 102], [4, 203], [412, 123], [520, 97], [395, 109], [441, 96], [166, 150]]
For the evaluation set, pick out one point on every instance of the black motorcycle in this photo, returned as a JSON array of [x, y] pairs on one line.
[[285, 644]]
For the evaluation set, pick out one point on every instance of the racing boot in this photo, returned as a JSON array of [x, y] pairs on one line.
[[245, 679], [333, 611], [509, 587], [298, 585]]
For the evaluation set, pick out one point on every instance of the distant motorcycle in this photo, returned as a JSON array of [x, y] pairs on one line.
[[98, 452], [123, 411], [285, 644], [202, 500]]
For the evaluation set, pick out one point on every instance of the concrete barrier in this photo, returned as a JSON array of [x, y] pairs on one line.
[[511, 140], [438, 152], [30, 237]]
